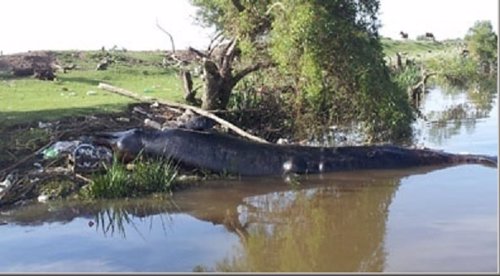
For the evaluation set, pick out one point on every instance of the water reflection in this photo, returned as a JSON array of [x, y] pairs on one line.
[[111, 217], [332, 222], [447, 109], [343, 233], [114, 218]]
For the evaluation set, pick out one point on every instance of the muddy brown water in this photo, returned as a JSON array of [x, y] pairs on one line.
[[430, 219]]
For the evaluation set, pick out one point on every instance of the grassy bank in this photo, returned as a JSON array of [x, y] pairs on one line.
[[449, 62], [76, 93]]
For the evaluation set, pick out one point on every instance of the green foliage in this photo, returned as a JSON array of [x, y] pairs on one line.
[[454, 70], [328, 51], [446, 59], [148, 176], [333, 51], [409, 76], [482, 41]]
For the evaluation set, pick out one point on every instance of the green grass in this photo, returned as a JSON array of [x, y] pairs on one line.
[[415, 47], [146, 177], [76, 92], [421, 52], [443, 58]]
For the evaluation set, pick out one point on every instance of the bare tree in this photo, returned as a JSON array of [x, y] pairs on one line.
[[218, 69], [218, 75], [168, 34]]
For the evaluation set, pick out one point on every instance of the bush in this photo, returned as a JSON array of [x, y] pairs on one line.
[[482, 41]]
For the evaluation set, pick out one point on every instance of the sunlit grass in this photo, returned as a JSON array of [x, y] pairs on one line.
[[391, 47], [146, 177], [76, 92]]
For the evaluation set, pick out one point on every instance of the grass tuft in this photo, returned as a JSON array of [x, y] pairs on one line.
[[146, 177]]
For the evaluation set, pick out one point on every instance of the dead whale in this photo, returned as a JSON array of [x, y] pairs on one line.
[[227, 154]]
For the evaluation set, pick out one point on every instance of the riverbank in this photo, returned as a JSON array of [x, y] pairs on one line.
[[39, 113]]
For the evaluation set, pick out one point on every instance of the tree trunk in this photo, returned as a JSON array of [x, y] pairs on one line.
[[187, 81], [217, 87], [219, 79]]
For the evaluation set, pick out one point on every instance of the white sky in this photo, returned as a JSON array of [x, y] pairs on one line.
[[444, 18], [89, 24]]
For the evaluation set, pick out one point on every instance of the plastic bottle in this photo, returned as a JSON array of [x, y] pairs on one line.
[[60, 147]]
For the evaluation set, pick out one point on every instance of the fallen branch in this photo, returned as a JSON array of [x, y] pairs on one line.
[[197, 110]]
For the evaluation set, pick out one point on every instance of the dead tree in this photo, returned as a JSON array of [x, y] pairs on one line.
[[63, 68], [187, 83], [218, 75], [168, 34], [217, 65], [415, 92]]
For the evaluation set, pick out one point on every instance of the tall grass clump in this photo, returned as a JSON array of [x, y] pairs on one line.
[[147, 177], [153, 176], [112, 184]]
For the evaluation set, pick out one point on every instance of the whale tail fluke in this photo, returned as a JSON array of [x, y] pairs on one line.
[[487, 160]]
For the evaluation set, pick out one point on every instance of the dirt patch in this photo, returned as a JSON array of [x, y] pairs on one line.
[[40, 64]]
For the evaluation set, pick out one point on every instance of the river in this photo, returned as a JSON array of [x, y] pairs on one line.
[[429, 219]]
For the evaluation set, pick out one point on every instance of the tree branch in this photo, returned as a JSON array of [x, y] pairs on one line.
[[227, 58], [198, 52], [197, 110], [211, 45], [167, 33]]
